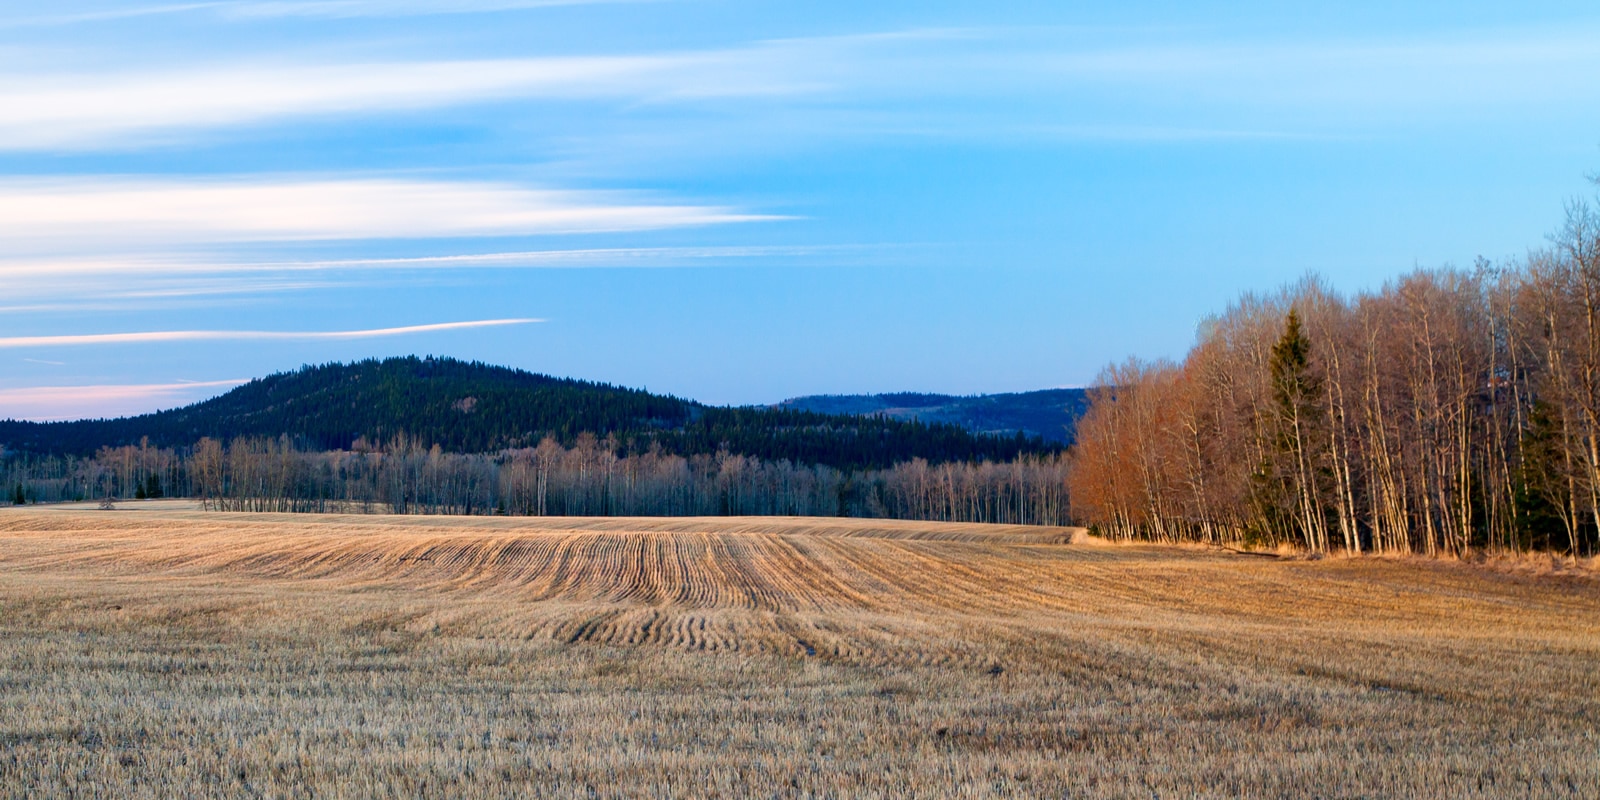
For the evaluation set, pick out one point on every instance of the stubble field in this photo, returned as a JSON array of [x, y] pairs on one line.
[[159, 651]]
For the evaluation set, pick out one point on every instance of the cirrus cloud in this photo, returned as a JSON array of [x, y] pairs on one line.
[[65, 214], [883, 84], [245, 10], [153, 337], [130, 108]]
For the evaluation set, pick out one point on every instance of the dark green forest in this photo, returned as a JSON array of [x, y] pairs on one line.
[[470, 407], [1051, 414]]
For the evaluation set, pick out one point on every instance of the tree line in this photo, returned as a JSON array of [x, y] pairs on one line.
[[1453, 410], [592, 477]]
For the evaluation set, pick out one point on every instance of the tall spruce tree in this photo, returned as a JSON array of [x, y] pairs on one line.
[[1296, 395]]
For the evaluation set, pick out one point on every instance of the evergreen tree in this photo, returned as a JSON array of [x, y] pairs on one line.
[[1296, 395], [1541, 493], [1292, 381]]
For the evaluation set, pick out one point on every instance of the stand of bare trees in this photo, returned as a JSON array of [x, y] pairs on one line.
[[591, 478], [117, 473], [1453, 410]]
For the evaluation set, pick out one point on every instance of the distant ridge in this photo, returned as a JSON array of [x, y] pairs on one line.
[[474, 407], [1049, 414]]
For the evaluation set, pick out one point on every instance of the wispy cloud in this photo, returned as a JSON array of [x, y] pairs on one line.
[[49, 270], [47, 403], [388, 8], [126, 108], [266, 9], [1439, 73], [1161, 84], [65, 214], [149, 292], [59, 17], [47, 284], [589, 257], [151, 337]]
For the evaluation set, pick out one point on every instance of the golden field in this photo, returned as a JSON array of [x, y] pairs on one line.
[[159, 651]]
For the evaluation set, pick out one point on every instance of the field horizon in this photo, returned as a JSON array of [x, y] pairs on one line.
[[167, 651]]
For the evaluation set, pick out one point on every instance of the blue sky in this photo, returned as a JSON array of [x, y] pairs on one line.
[[740, 202]]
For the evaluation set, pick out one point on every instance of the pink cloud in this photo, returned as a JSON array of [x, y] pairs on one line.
[[48, 403]]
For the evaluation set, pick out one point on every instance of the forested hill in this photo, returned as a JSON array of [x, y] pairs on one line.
[[1050, 414], [473, 407]]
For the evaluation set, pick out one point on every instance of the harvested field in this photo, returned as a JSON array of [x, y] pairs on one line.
[[167, 652]]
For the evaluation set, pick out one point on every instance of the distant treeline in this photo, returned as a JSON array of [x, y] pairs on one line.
[[478, 408], [1047, 413], [593, 477], [1453, 410]]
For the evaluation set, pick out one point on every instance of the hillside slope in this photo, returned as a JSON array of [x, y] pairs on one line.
[[1050, 414], [473, 407]]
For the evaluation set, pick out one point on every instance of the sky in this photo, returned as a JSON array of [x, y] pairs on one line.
[[741, 202]]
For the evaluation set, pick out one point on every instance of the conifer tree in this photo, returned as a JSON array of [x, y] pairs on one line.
[[1296, 394]]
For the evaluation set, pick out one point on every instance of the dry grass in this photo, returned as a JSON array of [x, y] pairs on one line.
[[167, 652]]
